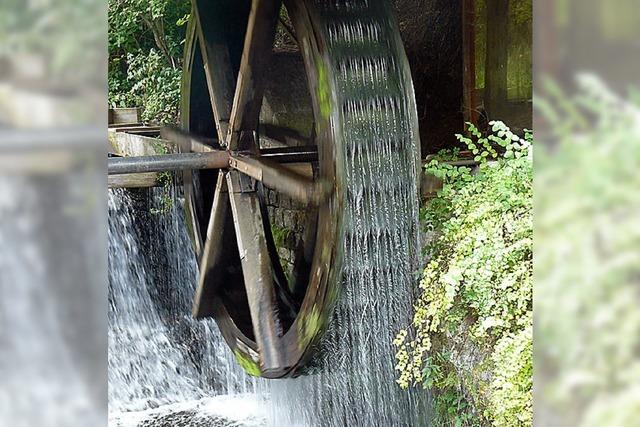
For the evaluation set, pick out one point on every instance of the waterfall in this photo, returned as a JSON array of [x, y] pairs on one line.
[[161, 361], [376, 128]]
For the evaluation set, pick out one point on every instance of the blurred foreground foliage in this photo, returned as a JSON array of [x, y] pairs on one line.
[[587, 271], [146, 39], [60, 33], [471, 336]]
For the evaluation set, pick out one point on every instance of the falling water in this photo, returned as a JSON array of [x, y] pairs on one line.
[[356, 384], [162, 364]]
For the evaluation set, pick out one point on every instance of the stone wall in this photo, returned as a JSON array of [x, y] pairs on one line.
[[287, 225]]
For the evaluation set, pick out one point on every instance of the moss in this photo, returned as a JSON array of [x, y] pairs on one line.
[[247, 363], [308, 326], [281, 236], [324, 89]]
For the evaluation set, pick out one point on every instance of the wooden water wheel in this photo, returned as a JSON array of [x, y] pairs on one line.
[[355, 72]]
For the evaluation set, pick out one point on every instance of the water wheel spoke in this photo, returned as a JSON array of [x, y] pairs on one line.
[[212, 253], [187, 142], [256, 269], [217, 65], [259, 38]]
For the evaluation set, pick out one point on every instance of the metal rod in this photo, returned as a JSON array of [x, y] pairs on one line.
[[168, 162], [284, 155]]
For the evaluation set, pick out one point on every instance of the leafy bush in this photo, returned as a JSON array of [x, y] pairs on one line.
[[476, 285], [145, 56]]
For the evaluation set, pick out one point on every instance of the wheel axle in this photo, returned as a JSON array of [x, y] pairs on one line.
[[260, 168]]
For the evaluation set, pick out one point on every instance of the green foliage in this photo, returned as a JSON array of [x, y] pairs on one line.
[[63, 33], [145, 49], [281, 235], [165, 179], [477, 284]]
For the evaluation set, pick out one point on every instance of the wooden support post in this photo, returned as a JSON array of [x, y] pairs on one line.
[[469, 60], [133, 180], [497, 56]]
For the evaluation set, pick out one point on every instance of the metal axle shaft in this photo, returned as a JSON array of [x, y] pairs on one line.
[[168, 162]]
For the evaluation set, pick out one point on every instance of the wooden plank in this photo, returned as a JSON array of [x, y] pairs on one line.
[[469, 61], [212, 253], [124, 115], [124, 125], [495, 93], [133, 180], [217, 65], [136, 128], [247, 101], [256, 268], [297, 186]]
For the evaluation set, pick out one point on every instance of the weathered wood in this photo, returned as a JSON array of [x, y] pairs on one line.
[[137, 129], [124, 115], [217, 64], [134, 180], [258, 276], [272, 175], [469, 61], [247, 101], [124, 125], [212, 253], [188, 142]]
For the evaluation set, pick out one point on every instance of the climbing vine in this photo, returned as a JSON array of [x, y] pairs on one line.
[[471, 336]]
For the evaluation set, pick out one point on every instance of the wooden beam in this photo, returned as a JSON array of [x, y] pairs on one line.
[[495, 95], [217, 63], [258, 276], [469, 60], [133, 180], [213, 253], [124, 115], [258, 46], [272, 175]]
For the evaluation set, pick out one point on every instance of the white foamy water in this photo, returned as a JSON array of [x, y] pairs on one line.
[[163, 365], [220, 411]]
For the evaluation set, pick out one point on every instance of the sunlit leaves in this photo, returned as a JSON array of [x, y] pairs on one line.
[[477, 282]]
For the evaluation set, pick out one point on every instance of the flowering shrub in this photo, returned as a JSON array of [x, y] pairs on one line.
[[476, 289]]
